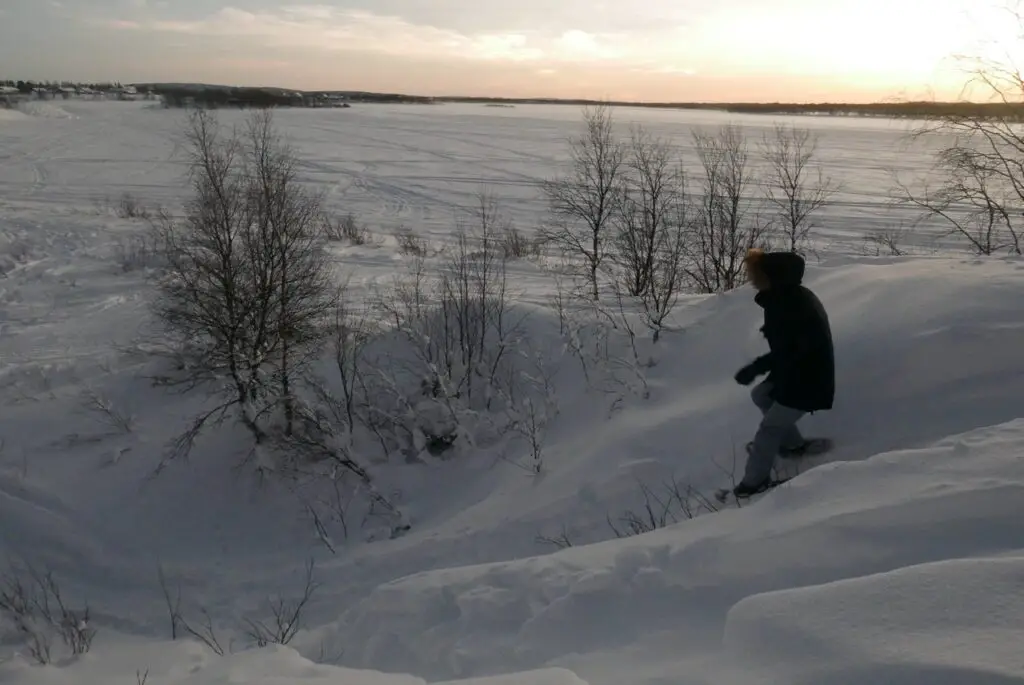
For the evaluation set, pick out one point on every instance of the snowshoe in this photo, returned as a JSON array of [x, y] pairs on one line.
[[810, 447], [744, 492]]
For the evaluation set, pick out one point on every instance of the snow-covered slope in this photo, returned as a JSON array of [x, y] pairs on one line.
[[669, 594], [886, 565], [926, 348]]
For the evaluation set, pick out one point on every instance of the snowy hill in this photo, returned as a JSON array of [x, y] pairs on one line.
[[926, 348], [896, 560]]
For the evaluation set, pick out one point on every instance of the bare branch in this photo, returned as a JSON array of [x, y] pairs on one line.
[[561, 541], [889, 242], [675, 504], [286, 614], [108, 413], [173, 603], [205, 633]]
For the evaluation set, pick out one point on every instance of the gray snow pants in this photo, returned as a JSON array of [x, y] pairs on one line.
[[777, 431]]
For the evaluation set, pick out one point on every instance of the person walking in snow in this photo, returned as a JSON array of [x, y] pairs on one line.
[[800, 363]]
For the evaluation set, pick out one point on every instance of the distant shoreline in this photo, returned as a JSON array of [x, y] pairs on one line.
[[281, 96], [917, 109]]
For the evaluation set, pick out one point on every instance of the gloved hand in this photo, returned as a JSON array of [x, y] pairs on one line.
[[746, 375]]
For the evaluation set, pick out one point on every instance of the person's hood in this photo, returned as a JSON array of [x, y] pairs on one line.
[[782, 268]]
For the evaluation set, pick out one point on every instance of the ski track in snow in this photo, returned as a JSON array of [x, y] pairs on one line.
[[895, 560]]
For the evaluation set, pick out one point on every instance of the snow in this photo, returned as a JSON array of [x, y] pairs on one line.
[[770, 575], [12, 115], [896, 559], [44, 110], [950, 621], [185, 663]]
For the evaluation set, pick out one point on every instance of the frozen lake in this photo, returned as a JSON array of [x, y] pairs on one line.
[[415, 166]]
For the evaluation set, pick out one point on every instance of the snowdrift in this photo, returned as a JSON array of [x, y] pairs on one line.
[[187, 663], [962, 498], [956, 621]]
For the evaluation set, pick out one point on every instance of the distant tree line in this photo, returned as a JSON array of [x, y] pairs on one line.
[[178, 95], [389, 97], [181, 95], [209, 98], [915, 110], [29, 86]]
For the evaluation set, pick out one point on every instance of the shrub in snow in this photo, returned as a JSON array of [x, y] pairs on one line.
[[34, 609], [286, 616], [517, 246], [411, 244], [139, 251], [280, 620], [129, 207], [671, 504], [603, 339], [347, 229], [456, 355], [889, 242], [438, 362]]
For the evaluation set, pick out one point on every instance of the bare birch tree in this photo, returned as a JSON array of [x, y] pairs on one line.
[[652, 222], [795, 189], [289, 253], [647, 204], [245, 282], [583, 201], [668, 270], [722, 230]]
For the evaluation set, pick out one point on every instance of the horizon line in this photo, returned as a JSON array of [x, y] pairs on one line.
[[568, 100]]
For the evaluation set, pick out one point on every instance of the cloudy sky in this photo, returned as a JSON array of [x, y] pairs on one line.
[[851, 50]]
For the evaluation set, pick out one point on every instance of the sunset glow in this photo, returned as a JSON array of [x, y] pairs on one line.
[[706, 50]]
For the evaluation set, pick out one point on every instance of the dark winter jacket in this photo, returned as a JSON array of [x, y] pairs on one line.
[[801, 362]]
